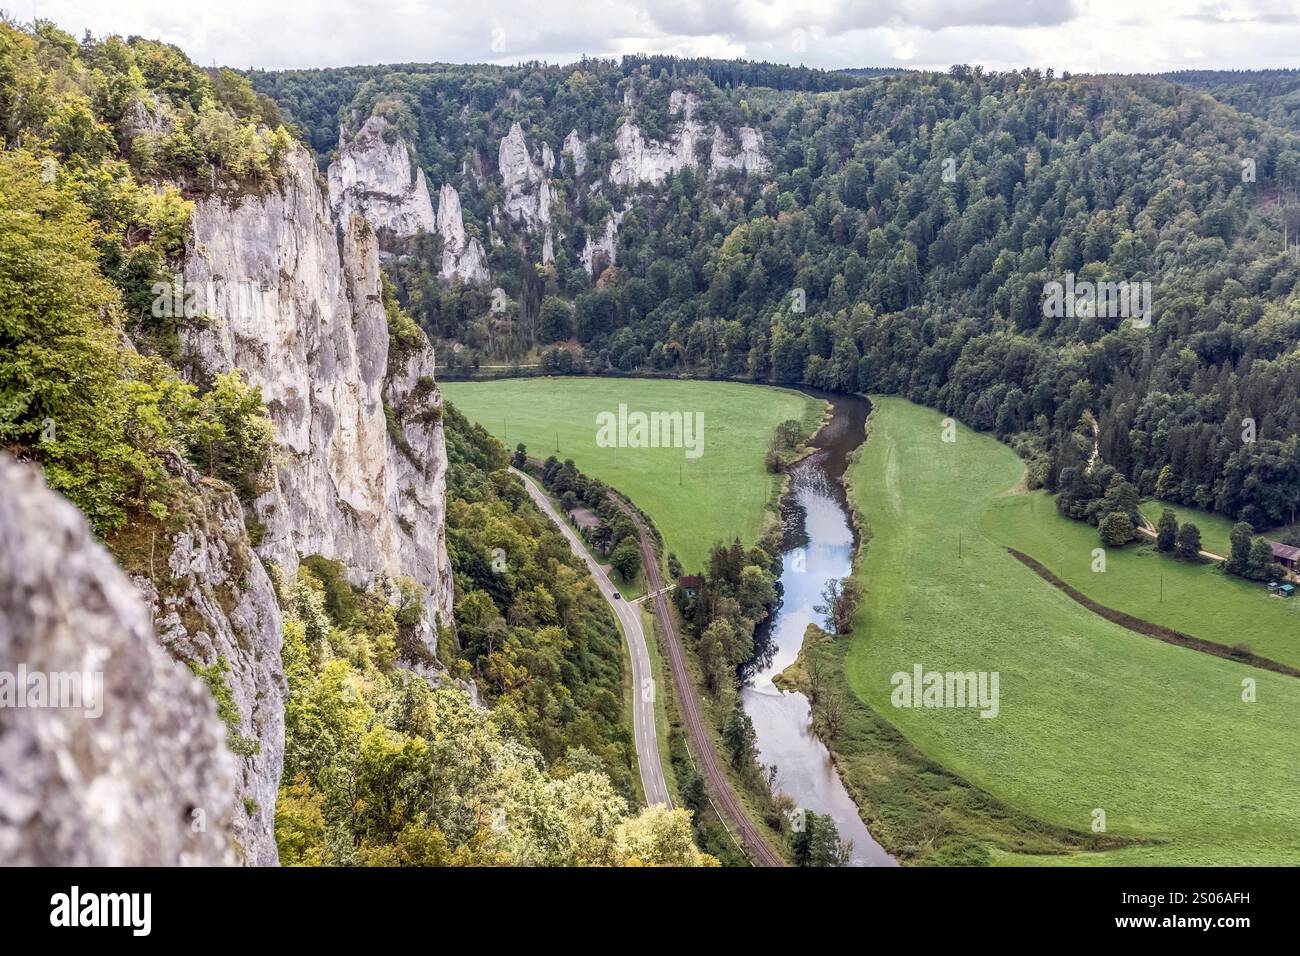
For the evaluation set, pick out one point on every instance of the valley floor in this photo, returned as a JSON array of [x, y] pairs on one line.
[[1093, 719], [695, 502]]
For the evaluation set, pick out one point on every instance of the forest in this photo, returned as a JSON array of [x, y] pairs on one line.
[[901, 243]]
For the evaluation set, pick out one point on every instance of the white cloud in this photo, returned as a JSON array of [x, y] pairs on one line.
[[1079, 35]]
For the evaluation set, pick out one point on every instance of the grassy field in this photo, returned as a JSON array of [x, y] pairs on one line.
[[1092, 716], [694, 502], [1216, 530], [1197, 599]]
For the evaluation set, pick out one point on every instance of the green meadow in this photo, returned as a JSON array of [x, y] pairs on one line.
[[1092, 717], [1216, 530], [1197, 599], [694, 501]]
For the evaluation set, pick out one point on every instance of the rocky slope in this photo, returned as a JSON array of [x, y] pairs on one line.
[[373, 177], [147, 780]]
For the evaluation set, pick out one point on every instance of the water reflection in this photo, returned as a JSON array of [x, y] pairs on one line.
[[819, 544]]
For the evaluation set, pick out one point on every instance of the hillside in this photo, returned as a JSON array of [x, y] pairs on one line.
[[200, 350], [897, 236]]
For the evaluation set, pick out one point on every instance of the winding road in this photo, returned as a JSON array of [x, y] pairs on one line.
[[726, 803], [629, 616]]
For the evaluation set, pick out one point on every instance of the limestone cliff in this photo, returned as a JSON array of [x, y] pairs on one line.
[[527, 191], [298, 310], [604, 246], [462, 258], [148, 779], [577, 150], [373, 177], [647, 161], [215, 607], [643, 161], [748, 158]]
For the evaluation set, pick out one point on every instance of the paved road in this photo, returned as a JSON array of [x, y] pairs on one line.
[[724, 797], [629, 615]]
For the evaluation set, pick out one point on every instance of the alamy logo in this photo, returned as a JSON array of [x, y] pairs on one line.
[[75, 690], [103, 909], [947, 689], [651, 430], [1102, 300]]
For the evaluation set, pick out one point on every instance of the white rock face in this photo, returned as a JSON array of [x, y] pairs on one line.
[[606, 244], [127, 787], [649, 161], [646, 161], [577, 150], [548, 159], [461, 258], [214, 605], [374, 178], [748, 159], [527, 192], [416, 484], [303, 319], [683, 104]]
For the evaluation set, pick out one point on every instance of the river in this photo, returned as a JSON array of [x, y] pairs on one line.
[[818, 546]]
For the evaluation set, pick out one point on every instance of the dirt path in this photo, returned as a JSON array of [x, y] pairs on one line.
[[724, 797], [1150, 532]]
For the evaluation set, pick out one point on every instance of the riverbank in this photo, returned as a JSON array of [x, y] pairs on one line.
[[818, 546]]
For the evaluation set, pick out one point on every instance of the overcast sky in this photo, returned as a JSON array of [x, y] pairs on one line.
[[1080, 35]]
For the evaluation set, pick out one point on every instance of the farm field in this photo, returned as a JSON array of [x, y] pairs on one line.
[[1197, 599], [694, 502], [1216, 530], [1091, 716]]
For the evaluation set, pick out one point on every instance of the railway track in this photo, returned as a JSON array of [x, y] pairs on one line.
[[723, 795]]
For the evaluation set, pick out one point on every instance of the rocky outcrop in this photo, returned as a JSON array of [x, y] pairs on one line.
[[527, 191], [461, 258], [604, 246], [647, 161], [135, 775], [747, 159], [643, 161], [299, 312], [215, 608], [577, 150], [416, 485], [683, 104], [145, 115], [374, 178]]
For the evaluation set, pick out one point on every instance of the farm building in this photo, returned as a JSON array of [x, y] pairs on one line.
[[1286, 556], [691, 584]]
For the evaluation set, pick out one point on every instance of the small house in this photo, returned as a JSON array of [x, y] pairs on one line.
[[690, 584], [1286, 555], [1286, 590]]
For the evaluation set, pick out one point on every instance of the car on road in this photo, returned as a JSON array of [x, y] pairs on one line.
[[617, 596]]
